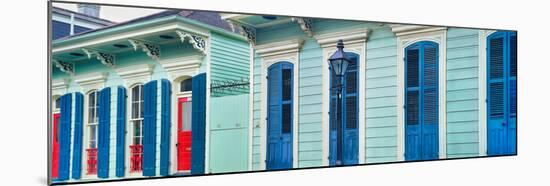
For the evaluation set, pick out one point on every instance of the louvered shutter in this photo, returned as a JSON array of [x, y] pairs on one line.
[[335, 117], [274, 115], [120, 130], [77, 143], [412, 103], [104, 125], [496, 137], [350, 110], [165, 127], [198, 123], [149, 128], [512, 94], [429, 92], [64, 137]]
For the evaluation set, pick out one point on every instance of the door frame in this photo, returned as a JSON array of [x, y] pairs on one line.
[[179, 96]]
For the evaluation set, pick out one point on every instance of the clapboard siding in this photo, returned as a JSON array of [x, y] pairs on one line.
[[462, 92], [380, 101], [229, 60], [256, 152], [310, 90]]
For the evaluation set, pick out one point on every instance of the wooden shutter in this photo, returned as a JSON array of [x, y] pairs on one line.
[[165, 127], [77, 143], [104, 133], [149, 128], [64, 137], [350, 154], [120, 130], [496, 133], [429, 91], [412, 103], [198, 122]]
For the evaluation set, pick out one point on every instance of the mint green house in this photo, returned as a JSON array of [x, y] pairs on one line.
[[411, 92]]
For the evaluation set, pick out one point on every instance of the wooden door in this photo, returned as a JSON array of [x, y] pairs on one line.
[[184, 134], [55, 146]]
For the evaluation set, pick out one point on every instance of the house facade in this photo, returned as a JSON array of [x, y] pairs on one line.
[[411, 92], [190, 92]]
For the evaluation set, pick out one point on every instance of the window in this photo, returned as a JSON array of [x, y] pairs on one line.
[[185, 85], [136, 121], [57, 103], [92, 121]]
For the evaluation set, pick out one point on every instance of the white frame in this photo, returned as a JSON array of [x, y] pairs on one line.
[[130, 129], [355, 41], [176, 94], [270, 54], [407, 35], [482, 91], [86, 132]]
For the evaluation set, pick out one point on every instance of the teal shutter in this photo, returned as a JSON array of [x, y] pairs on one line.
[[198, 122], [77, 143], [64, 137], [165, 127], [120, 130], [104, 133], [149, 128]]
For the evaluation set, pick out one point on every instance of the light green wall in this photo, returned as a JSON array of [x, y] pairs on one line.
[[256, 153], [462, 92], [381, 97], [230, 60], [229, 133], [310, 147]]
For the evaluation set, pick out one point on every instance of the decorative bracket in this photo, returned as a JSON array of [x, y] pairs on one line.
[[105, 58], [248, 31], [64, 66], [306, 24], [151, 50], [197, 41]]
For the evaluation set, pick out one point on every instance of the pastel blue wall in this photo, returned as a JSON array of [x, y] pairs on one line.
[[381, 97], [310, 147], [256, 153], [229, 60], [462, 92]]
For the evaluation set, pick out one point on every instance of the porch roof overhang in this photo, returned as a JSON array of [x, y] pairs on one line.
[[248, 24]]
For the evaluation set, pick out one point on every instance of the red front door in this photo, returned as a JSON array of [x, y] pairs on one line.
[[184, 134], [55, 148]]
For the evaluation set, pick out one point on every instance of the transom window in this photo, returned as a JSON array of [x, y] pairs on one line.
[[186, 85]]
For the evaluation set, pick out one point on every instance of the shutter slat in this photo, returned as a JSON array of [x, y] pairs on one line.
[[104, 133], [120, 131], [198, 122], [77, 144], [64, 137], [165, 127], [149, 128]]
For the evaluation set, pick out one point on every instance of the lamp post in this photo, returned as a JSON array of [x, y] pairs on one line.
[[339, 64]]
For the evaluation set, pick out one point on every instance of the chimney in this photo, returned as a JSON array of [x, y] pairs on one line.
[[89, 9]]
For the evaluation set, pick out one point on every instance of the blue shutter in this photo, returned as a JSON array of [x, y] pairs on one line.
[[120, 130], [149, 128], [64, 137], [421, 101], [77, 143], [274, 116], [350, 151], [412, 103], [165, 127], [429, 92], [512, 125], [104, 111], [496, 136], [198, 122]]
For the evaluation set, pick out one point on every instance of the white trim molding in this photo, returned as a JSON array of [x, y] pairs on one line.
[[150, 49], [95, 80], [182, 66], [482, 90], [306, 24], [198, 41], [407, 35], [60, 86], [270, 54], [355, 41], [135, 74]]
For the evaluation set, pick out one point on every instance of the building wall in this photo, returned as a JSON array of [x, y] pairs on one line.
[[381, 96], [462, 92], [310, 146], [229, 60], [256, 153]]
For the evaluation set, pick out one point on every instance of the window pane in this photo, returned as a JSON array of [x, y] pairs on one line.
[[351, 82], [287, 84], [186, 85], [351, 112], [57, 103], [135, 107], [186, 115], [135, 93], [412, 108], [93, 136], [287, 119]]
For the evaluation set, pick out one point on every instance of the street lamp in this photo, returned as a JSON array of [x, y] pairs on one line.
[[339, 64]]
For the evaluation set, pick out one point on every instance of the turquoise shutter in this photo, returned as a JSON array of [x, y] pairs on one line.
[[165, 127], [64, 137], [198, 122], [149, 128], [120, 130], [77, 143], [104, 132]]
